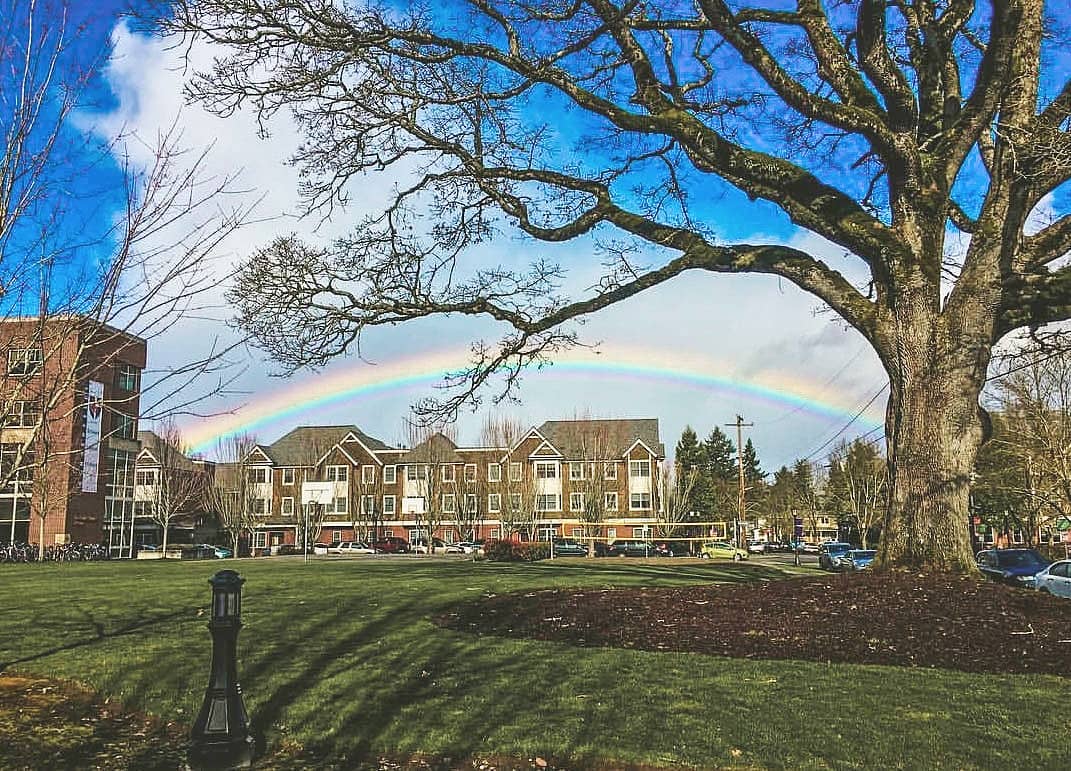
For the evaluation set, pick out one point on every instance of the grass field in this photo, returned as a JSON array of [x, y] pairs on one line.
[[341, 657]]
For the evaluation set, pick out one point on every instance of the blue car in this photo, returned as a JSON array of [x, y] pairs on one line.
[[854, 559], [1016, 567]]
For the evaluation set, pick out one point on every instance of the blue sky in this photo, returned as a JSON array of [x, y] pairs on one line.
[[741, 326]]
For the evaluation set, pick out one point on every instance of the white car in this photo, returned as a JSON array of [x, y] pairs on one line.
[[355, 547], [756, 547], [1055, 579], [321, 548]]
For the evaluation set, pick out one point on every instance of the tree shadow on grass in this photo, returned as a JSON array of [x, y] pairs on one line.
[[100, 633]]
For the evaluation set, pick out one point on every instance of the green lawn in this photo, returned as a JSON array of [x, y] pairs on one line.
[[340, 656]]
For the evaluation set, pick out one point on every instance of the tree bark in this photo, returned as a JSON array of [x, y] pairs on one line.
[[934, 429]]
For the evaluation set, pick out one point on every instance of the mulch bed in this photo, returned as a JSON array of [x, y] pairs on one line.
[[893, 618]]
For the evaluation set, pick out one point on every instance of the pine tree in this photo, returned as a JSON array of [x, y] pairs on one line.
[[690, 454], [753, 473], [720, 456]]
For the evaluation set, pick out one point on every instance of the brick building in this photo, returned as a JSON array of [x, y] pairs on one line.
[[557, 479], [70, 393], [164, 476]]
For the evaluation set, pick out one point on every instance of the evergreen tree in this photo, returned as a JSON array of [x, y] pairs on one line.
[[690, 454], [754, 476], [720, 456]]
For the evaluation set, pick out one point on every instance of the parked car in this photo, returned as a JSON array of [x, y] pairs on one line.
[[775, 547], [828, 553], [468, 547], [454, 548], [223, 552], [199, 551], [756, 547], [721, 550], [569, 547], [420, 546], [810, 548], [672, 549], [1055, 579], [335, 547], [355, 547], [854, 559], [631, 548], [286, 549], [602, 549], [1016, 567], [392, 544], [321, 548]]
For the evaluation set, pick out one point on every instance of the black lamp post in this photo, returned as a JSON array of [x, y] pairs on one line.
[[221, 735]]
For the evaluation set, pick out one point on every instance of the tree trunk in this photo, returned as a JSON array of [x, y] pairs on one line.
[[164, 544], [934, 431]]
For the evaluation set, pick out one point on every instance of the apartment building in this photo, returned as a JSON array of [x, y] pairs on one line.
[[166, 479], [70, 393], [597, 478]]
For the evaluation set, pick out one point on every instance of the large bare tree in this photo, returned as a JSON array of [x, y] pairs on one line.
[[230, 494], [516, 485], [179, 485], [917, 136]]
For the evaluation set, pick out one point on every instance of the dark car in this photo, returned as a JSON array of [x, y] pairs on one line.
[[200, 551], [568, 547], [392, 544], [1016, 567], [602, 549], [828, 553], [672, 549], [631, 548], [854, 559]]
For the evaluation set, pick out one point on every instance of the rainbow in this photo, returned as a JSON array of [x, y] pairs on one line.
[[279, 407]]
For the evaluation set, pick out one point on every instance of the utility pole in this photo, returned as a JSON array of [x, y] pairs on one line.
[[740, 515]]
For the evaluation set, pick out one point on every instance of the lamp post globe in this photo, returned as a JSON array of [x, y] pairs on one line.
[[221, 737]]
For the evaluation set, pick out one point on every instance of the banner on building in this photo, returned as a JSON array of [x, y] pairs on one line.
[[91, 455]]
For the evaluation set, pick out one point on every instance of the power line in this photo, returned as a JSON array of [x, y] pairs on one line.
[[847, 425], [821, 388]]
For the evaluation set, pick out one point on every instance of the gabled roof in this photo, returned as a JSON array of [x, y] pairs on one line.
[[305, 445], [571, 437], [152, 452], [437, 448]]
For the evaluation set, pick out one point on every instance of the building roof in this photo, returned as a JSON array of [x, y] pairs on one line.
[[571, 437], [152, 443], [305, 445], [437, 448]]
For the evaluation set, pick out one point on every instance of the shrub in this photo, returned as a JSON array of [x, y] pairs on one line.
[[510, 551]]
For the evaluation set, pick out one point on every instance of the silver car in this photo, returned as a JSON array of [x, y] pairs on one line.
[[1055, 579]]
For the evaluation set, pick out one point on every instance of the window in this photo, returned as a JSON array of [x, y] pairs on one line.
[[494, 503], [611, 533], [388, 504], [415, 473], [288, 476], [287, 506], [641, 532], [121, 481], [126, 377], [546, 470], [494, 534], [145, 478], [577, 532], [340, 506], [368, 475], [124, 426], [470, 503], [515, 502], [548, 503], [23, 413], [639, 468], [448, 474], [259, 506], [516, 473], [639, 501], [368, 504], [576, 501], [609, 470], [23, 361], [494, 472], [258, 476], [390, 474], [611, 501], [448, 503], [260, 540], [470, 472], [338, 474], [576, 470]]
